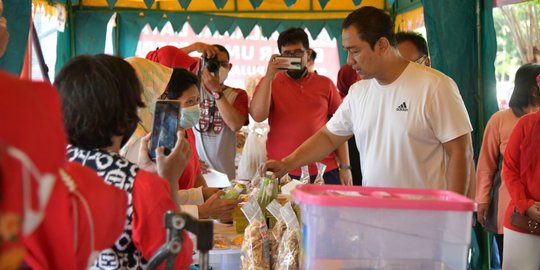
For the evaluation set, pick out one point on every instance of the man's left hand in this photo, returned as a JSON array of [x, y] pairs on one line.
[[345, 176], [208, 51]]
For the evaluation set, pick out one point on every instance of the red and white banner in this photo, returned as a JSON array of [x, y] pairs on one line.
[[249, 55]]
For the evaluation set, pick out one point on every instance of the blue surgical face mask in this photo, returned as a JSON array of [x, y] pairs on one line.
[[190, 116]]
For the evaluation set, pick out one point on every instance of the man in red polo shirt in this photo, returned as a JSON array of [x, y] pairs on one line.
[[297, 103]]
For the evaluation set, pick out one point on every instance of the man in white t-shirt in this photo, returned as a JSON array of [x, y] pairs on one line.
[[411, 126]]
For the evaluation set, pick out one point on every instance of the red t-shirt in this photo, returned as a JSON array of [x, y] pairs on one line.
[[241, 103], [193, 168], [151, 199], [522, 183], [298, 109]]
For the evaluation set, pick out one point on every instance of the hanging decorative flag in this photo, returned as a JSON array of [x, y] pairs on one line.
[[61, 16], [357, 2], [184, 3], [289, 3], [149, 3], [220, 3], [323, 3], [111, 3], [255, 3]]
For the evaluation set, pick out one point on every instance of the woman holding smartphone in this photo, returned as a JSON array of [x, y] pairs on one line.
[[100, 96], [178, 84]]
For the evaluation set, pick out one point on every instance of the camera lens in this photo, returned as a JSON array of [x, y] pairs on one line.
[[212, 64]]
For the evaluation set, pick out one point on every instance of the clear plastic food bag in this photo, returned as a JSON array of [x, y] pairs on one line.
[[289, 246], [320, 173], [304, 177], [277, 232], [255, 248]]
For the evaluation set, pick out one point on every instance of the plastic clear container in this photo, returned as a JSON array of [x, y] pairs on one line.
[[382, 228], [225, 259]]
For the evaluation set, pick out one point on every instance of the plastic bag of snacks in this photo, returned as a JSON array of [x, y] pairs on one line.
[[255, 248], [289, 246], [233, 192], [268, 189], [277, 232], [320, 172], [285, 180], [258, 176], [304, 177]]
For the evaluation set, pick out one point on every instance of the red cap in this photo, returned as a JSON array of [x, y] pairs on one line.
[[172, 57]]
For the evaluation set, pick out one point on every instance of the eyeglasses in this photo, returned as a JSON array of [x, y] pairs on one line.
[[296, 53], [421, 60]]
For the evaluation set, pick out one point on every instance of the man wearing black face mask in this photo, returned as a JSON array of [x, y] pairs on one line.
[[297, 103]]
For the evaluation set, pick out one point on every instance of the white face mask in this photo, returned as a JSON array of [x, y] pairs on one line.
[[223, 73], [190, 116]]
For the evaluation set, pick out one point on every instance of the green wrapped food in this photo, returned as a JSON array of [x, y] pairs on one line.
[[268, 190], [234, 192]]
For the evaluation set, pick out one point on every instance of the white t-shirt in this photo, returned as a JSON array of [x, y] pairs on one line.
[[400, 127]]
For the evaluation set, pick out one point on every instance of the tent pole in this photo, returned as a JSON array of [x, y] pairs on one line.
[[39, 53], [480, 74]]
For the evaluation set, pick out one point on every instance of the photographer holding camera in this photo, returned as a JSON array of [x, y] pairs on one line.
[[224, 110], [297, 104]]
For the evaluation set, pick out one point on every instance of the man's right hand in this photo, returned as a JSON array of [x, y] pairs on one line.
[[278, 167], [482, 212], [217, 207], [274, 66]]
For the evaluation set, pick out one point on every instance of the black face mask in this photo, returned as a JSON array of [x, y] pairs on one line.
[[297, 74], [130, 130]]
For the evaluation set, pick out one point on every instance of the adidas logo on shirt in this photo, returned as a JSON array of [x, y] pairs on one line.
[[402, 107]]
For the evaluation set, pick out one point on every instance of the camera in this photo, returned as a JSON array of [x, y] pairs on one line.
[[212, 64], [291, 62]]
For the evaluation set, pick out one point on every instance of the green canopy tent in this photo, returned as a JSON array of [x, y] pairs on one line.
[[458, 48]]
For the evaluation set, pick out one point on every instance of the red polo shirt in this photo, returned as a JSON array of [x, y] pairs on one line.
[[298, 109]]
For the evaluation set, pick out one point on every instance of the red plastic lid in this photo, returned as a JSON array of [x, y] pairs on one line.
[[378, 197]]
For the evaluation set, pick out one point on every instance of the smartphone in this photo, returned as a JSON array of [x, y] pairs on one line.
[[292, 63], [165, 127]]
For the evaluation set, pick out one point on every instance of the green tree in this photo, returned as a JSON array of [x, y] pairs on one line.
[[518, 38]]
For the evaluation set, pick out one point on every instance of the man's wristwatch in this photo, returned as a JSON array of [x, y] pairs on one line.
[[345, 166], [217, 95]]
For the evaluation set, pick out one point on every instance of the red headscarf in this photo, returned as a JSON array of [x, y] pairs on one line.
[[172, 57]]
